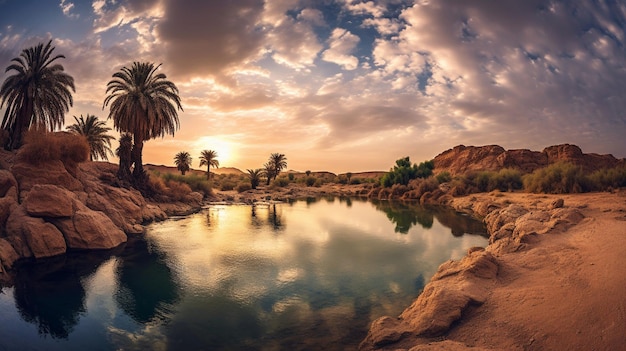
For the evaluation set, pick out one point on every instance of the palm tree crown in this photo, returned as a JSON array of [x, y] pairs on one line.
[[209, 158], [145, 104], [255, 176], [277, 162], [182, 161], [96, 133], [39, 93]]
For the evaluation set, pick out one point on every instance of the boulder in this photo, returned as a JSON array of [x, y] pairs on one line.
[[50, 172], [456, 286], [89, 229], [33, 237], [7, 183], [7, 255], [46, 200]]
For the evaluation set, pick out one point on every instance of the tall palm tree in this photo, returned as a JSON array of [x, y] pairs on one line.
[[96, 133], [39, 93], [124, 153], [208, 158], [182, 161], [255, 177], [145, 104], [278, 162]]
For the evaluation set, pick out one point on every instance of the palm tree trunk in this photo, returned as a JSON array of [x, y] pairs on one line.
[[21, 126], [208, 172], [139, 176]]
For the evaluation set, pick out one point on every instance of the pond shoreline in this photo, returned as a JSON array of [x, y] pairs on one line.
[[545, 281]]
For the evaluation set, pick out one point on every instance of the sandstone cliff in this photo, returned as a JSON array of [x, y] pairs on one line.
[[462, 159], [48, 208]]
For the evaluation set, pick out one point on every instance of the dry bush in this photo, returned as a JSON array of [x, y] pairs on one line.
[[41, 147], [177, 191]]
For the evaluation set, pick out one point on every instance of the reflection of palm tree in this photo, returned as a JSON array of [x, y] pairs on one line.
[[274, 218], [146, 282], [51, 294]]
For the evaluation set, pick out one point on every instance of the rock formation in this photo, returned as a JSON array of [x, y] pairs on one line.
[[46, 209], [460, 285], [462, 159]]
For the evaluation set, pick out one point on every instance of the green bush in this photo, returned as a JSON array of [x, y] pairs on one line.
[[605, 179], [403, 172], [558, 178], [227, 184]]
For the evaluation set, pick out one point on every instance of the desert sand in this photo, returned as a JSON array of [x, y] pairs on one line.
[[563, 290]]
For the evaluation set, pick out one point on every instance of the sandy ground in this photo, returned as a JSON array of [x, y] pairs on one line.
[[567, 292]]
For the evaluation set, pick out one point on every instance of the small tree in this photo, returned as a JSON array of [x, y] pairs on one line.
[[403, 172], [182, 161], [348, 176], [255, 177], [208, 158]]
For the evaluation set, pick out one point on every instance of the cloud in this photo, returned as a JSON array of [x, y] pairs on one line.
[[67, 8], [209, 37], [341, 45]]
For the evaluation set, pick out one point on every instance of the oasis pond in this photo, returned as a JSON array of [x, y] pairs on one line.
[[304, 275]]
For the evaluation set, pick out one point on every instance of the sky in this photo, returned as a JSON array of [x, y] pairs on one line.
[[348, 85]]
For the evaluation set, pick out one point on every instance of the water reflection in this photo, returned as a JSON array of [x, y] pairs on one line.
[[405, 215], [147, 285], [225, 280], [50, 293]]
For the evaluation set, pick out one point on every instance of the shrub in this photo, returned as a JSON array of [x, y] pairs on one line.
[[310, 181], [291, 177], [241, 187], [227, 184], [195, 182], [355, 181], [403, 172], [62, 146], [605, 179], [281, 182], [318, 182], [443, 177], [558, 178], [177, 190]]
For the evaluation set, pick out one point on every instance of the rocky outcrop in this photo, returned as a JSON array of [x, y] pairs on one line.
[[460, 285], [456, 286], [48, 208], [462, 159]]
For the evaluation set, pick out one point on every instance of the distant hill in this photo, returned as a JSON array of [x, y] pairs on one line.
[[169, 169]]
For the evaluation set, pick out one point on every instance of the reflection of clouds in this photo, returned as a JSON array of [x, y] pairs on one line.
[[149, 338]]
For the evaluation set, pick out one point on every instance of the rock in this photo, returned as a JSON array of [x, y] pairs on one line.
[[89, 229], [7, 254], [456, 286], [7, 182], [462, 159], [46, 200], [50, 172], [7, 204], [446, 345], [558, 203], [496, 219], [31, 236]]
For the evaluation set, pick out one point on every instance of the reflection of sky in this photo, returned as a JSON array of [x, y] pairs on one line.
[[286, 277]]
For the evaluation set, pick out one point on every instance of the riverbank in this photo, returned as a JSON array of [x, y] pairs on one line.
[[551, 279]]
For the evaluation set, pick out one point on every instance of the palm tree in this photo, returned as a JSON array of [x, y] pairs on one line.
[[145, 104], [123, 152], [268, 171], [208, 158], [255, 177], [37, 94], [96, 133], [278, 162], [183, 161]]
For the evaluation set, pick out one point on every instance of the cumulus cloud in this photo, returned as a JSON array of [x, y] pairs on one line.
[[341, 45], [67, 8]]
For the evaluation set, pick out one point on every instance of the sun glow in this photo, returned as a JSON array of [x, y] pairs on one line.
[[226, 153]]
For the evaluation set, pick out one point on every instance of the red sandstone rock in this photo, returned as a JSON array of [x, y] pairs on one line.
[[46, 200], [89, 229]]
